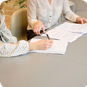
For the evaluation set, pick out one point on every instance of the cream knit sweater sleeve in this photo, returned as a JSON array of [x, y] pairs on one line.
[[5, 33], [9, 50], [67, 11]]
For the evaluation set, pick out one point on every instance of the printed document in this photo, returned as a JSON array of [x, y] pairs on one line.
[[58, 47], [73, 27], [68, 31], [62, 35]]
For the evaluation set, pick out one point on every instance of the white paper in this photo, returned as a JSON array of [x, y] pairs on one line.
[[73, 27], [63, 35], [85, 1], [1, 85], [58, 47], [86, 86]]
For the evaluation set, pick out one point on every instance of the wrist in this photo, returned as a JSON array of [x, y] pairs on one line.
[[36, 46], [33, 46], [77, 19]]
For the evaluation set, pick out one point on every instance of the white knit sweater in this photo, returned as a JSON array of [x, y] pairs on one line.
[[6, 48], [5, 33], [10, 50]]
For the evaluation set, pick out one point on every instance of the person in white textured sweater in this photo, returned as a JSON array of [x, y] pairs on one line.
[[23, 47], [10, 47], [43, 14]]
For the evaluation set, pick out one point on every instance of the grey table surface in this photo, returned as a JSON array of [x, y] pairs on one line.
[[47, 70]]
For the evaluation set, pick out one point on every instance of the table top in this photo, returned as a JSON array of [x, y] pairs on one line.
[[47, 70]]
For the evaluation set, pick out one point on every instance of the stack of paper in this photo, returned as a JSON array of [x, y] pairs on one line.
[[68, 31], [73, 27], [58, 47], [63, 35]]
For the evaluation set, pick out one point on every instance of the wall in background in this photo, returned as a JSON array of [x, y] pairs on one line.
[[80, 5], [9, 9]]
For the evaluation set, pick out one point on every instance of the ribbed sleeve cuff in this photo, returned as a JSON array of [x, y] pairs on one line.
[[71, 16], [32, 23]]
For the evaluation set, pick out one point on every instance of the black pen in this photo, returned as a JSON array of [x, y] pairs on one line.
[[48, 36]]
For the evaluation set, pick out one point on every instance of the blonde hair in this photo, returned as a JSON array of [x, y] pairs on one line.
[[1, 8]]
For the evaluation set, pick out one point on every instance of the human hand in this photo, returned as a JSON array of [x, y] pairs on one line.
[[38, 26], [44, 44], [81, 20]]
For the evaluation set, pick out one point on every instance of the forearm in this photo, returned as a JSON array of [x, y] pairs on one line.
[[32, 46], [32, 22], [9, 50], [71, 16], [67, 11]]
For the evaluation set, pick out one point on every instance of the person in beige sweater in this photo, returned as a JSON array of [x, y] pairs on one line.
[[10, 47], [43, 14]]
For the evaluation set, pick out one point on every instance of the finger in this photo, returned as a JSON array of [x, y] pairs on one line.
[[49, 44], [43, 30], [38, 31], [47, 47], [34, 31], [81, 21], [50, 41], [85, 21]]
